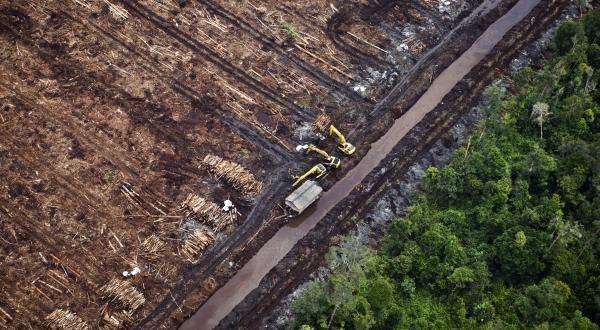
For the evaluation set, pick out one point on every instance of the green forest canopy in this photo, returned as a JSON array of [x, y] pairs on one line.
[[506, 235]]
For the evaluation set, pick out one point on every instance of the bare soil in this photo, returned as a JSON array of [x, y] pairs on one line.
[[98, 98]]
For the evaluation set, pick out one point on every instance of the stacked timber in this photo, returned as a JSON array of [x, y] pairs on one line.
[[207, 212], [125, 293], [236, 175], [198, 241], [65, 320]]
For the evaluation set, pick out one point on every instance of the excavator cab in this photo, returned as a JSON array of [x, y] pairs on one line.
[[318, 171], [333, 162], [345, 146], [330, 161]]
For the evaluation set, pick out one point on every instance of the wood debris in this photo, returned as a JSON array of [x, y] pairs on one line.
[[112, 320], [198, 241], [137, 200], [322, 122], [208, 212], [125, 293], [239, 177], [4, 316], [117, 12], [430, 4], [152, 246], [415, 45], [65, 320]]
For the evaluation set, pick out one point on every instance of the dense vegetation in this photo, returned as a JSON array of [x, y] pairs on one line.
[[506, 235]]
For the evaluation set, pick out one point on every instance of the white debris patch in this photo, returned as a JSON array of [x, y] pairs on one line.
[[301, 147], [444, 7], [361, 90], [136, 270], [402, 47], [227, 205]]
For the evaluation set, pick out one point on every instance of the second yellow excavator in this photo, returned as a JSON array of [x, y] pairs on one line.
[[345, 146], [332, 161], [318, 170]]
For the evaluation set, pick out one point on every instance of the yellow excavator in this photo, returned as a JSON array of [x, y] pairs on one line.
[[345, 146], [318, 170], [331, 161]]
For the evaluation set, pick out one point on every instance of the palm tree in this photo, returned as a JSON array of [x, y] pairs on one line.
[[540, 111]]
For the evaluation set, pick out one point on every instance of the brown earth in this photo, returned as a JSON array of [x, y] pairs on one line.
[[107, 109]]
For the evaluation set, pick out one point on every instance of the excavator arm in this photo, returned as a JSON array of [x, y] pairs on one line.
[[319, 170], [313, 148], [345, 146], [333, 130], [331, 160]]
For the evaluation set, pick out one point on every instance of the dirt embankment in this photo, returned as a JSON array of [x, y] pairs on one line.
[[307, 255]]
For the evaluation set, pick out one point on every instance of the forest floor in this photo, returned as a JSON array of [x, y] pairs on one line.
[[107, 110]]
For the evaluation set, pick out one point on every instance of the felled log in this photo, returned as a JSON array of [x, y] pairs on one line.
[[207, 212], [123, 292], [65, 320], [236, 175], [198, 241]]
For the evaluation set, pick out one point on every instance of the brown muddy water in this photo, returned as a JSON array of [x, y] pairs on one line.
[[249, 276]]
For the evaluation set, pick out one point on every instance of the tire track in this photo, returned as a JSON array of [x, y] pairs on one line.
[[251, 223], [50, 241], [117, 93], [208, 54], [195, 275], [314, 72], [70, 186], [226, 248], [114, 154], [346, 14], [229, 121]]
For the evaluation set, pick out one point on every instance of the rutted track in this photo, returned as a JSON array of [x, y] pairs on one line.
[[283, 278], [149, 64], [211, 56], [267, 41]]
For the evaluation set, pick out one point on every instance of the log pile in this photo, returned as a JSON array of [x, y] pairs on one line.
[[322, 122], [65, 320], [198, 241], [208, 212], [125, 293], [415, 45], [240, 178]]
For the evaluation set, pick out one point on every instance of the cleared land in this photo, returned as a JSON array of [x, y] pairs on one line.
[[109, 110]]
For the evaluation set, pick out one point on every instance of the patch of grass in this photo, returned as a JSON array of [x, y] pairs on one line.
[[292, 33], [109, 177]]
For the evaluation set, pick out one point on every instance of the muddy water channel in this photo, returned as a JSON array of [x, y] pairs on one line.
[[250, 275]]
